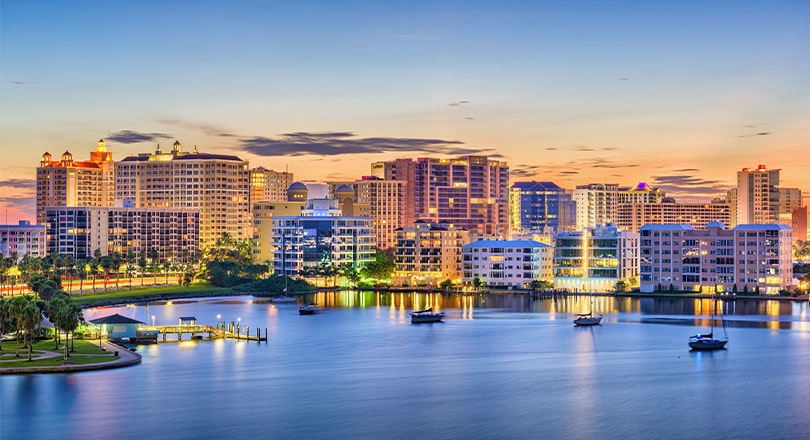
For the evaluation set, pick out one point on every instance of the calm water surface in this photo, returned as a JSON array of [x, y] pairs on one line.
[[499, 367]]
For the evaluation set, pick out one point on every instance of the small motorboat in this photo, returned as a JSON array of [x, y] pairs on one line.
[[426, 315], [583, 319], [308, 309]]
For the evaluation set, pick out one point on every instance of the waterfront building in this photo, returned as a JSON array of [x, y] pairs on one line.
[[596, 203], [23, 239], [642, 192], [757, 196], [268, 185], [217, 185], [469, 192], [80, 231], [507, 263], [595, 259], [535, 206], [632, 216], [302, 243], [386, 201], [68, 182], [748, 258], [428, 253]]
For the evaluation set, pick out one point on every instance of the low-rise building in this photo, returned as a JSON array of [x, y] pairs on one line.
[[428, 253], [506, 263], [749, 258], [596, 259], [23, 239]]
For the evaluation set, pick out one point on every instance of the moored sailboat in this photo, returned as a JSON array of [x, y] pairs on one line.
[[707, 342]]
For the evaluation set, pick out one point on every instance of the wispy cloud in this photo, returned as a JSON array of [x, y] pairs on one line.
[[207, 129], [344, 142], [762, 133], [584, 149], [458, 103], [686, 170], [18, 183], [22, 83], [18, 193], [605, 163], [134, 137]]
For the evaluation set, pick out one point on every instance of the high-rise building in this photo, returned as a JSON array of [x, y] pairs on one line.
[[748, 258], [642, 192], [789, 199], [758, 198], [469, 192], [428, 253], [386, 200], [68, 182], [535, 206], [217, 185], [632, 216], [268, 185], [23, 239], [597, 204], [80, 231], [595, 259]]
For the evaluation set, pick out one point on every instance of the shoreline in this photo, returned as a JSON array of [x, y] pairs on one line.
[[125, 358]]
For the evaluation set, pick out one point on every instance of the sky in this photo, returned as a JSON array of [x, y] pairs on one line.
[[681, 95]]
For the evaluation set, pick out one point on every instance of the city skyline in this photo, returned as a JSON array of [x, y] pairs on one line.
[[681, 96]]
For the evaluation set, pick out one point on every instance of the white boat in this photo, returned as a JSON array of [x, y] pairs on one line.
[[426, 315], [582, 319], [308, 309], [707, 342]]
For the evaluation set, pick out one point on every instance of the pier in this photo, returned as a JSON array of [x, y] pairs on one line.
[[154, 333]]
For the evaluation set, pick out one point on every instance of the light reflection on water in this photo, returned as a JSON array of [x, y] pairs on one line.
[[501, 366]]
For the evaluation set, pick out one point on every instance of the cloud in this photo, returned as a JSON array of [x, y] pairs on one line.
[[458, 103], [551, 149], [610, 148], [524, 171], [604, 163], [686, 170], [344, 142], [469, 118], [207, 129], [22, 83], [762, 133], [568, 173], [689, 185], [623, 79], [134, 137], [19, 183], [584, 149]]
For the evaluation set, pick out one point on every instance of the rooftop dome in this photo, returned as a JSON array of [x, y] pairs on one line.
[[297, 186], [344, 188], [642, 186]]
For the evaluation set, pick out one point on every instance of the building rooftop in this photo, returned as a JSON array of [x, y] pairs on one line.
[[506, 243]]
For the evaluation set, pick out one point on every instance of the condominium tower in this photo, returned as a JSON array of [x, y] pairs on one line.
[[217, 185], [470, 192]]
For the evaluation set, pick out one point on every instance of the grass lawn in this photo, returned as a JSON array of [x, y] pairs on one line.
[[148, 293], [87, 352]]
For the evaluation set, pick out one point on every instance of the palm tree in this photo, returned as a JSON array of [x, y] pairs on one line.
[[115, 260], [15, 311], [4, 314], [142, 264], [129, 259], [30, 318], [81, 273]]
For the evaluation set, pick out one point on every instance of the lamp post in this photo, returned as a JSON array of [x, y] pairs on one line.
[[238, 328], [153, 320], [218, 316]]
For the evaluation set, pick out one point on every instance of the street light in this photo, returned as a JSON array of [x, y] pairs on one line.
[[153, 320]]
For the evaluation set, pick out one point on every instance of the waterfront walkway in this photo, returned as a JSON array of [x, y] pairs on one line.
[[125, 358]]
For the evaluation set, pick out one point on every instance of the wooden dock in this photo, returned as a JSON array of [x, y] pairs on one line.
[[151, 333]]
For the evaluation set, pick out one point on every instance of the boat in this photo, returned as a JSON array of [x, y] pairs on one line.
[[308, 309], [583, 319], [707, 342], [282, 299], [426, 315]]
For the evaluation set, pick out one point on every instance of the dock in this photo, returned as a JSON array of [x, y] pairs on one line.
[[152, 333]]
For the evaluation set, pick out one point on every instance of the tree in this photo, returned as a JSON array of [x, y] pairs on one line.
[[142, 263], [4, 315], [380, 269], [29, 320], [446, 284]]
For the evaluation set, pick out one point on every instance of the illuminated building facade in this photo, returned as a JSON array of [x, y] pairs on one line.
[[80, 231], [535, 206], [68, 182], [597, 204], [469, 192], [595, 259], [758, 196], [632, 216], [303, 243], [268, 185], [386, 201], [642, 192], [23, 239], [215, 184], [428, 253], [748, 258], [506, 263]]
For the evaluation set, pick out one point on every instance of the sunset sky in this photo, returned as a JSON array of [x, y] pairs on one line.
[[680, 95]]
